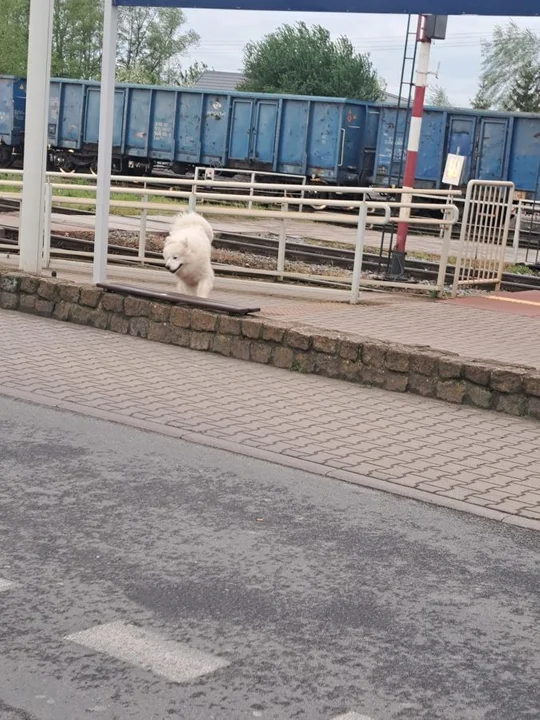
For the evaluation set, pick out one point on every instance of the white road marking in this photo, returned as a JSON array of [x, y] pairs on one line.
[[6, 585], [175, 661], [351, 716]]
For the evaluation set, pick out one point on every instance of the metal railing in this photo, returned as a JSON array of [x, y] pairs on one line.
[[214, 174], [367, 212], [484, 234], [527, 223]]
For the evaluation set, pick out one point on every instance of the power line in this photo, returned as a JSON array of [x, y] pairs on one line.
[[368, 44], [216, 50], [376, 40]]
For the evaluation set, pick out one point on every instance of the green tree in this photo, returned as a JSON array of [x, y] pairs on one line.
[[77, 36], [438, 97], [151, 43], [192, 73], [306, 61], [525, 95], [14, 37], [481, 100], [510, 51]]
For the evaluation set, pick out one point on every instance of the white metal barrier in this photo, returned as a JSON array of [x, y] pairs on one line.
[[517, 231], [213, 174], [484, 234], [143, 190], [527, 214], [523, 210]]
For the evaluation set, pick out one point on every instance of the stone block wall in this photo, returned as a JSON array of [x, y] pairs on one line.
[[400, 368]]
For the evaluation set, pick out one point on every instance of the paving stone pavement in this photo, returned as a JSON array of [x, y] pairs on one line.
[[482, 334], [457, 456]]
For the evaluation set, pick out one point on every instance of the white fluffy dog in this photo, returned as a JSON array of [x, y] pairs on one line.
[[187, 253]]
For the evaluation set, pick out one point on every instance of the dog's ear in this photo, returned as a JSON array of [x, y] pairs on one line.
[[178, 223]]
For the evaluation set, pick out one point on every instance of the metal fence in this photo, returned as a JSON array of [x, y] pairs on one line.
[[149, 195], [219, 175], [484, 234], [527, 231]]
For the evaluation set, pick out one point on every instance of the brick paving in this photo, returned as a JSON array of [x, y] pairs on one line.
[[459, 456], [471, 332]]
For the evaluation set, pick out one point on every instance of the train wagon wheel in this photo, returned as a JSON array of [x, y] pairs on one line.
[[319, 205], [68, 168], [325, 206]]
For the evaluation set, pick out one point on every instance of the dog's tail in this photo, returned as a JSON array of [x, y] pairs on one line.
[[188, 219]]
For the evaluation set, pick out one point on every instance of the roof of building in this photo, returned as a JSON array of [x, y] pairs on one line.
[[391, 98], [218, 80]]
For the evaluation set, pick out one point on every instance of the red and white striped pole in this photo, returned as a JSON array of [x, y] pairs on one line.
[[398, 256]]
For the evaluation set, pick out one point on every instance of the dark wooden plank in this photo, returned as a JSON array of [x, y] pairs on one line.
[[178, 299]]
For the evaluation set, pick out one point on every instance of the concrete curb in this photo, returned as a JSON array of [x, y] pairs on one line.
[[278, 459]]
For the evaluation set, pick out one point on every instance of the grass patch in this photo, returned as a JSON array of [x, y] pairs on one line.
[[520, 269]]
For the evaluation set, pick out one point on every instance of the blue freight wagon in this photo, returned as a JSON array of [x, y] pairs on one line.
[[321, 138], [327, 140], [12, 117], [497, 146], [73, 125]]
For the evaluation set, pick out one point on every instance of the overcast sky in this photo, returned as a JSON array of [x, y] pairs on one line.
[[224, 33]]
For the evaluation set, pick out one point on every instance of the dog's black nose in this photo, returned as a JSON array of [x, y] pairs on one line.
[[175, 269]]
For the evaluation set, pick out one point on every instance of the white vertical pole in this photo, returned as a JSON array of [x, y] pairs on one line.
[[35, 150], [517, 232], [301, 207], [282, 246], [106, 123], [194, 189], [443, 261], [47, 224], [250, 203], [142, 230], [359, 251]]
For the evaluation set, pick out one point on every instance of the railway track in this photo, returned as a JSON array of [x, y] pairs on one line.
[[530, 236], [418, 270], [13, 206]]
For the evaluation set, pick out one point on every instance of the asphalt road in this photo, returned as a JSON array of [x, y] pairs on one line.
[[144, 577]]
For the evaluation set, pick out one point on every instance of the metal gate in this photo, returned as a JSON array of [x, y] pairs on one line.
[[484, 234]]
